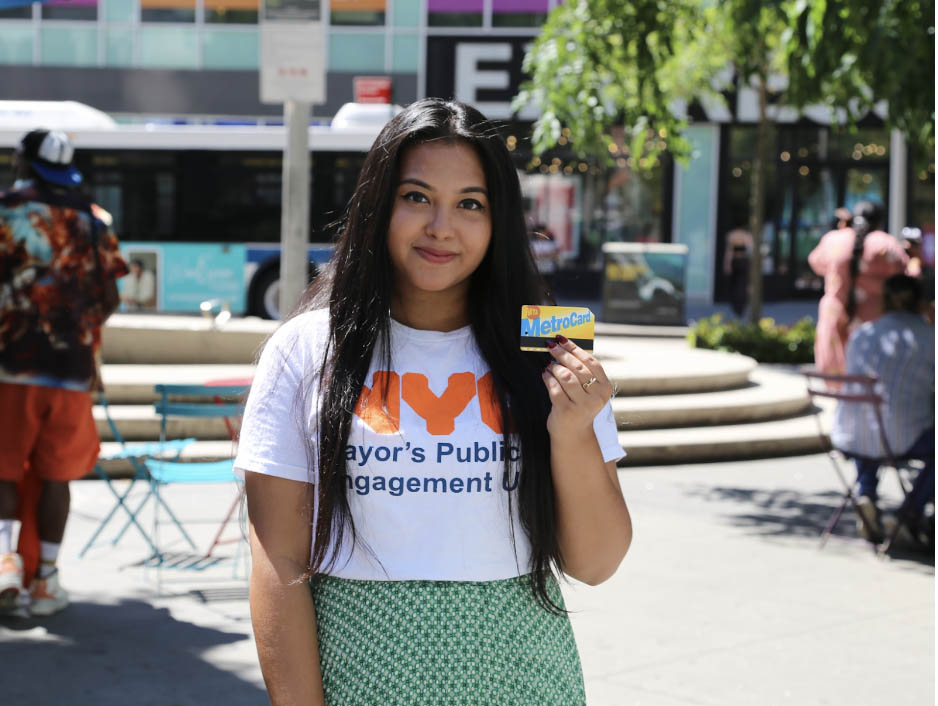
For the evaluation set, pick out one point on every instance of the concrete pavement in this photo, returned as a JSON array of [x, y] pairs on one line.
[[724, 600]]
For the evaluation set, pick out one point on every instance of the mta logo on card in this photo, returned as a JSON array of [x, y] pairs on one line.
[[540, 324]]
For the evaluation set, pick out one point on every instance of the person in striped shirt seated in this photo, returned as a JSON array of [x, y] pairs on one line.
[[899, 349]]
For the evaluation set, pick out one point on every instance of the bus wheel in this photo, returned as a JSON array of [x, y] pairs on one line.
[[265, 291], [265, 294]]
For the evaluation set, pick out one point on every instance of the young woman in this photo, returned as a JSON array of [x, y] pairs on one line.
[[854, 263], [403, 454]]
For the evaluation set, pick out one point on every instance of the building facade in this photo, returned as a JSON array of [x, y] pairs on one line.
[[197, 61]]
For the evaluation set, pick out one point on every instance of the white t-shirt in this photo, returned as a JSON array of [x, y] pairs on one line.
[[426, 475]]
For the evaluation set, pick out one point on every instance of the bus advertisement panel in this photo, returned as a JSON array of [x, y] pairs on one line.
[[178, 277]]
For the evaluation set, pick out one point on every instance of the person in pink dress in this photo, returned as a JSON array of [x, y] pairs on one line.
[[854, 262]]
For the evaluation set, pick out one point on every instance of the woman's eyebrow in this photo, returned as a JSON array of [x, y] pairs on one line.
[[425, 185]]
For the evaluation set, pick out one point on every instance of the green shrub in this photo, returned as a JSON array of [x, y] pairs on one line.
[[766, 342]]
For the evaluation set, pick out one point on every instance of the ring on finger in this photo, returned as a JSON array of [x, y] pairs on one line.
[[586, 385]]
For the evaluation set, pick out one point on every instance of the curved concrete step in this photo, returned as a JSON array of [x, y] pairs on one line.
[[162, 339], [133, 384], [770, 395], [785, 437], [140, 423], [604, 328], [660, 367], [639, 366]]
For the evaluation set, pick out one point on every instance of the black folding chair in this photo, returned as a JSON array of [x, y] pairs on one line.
[[858, 390]]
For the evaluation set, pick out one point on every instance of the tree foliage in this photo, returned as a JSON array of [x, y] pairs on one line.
[[603, 70], [851, 54], [601, 63]]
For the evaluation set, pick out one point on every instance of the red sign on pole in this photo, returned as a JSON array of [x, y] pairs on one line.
[[372, 89]]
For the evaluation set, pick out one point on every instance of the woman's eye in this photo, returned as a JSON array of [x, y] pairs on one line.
[[472, 205], [415, 197]]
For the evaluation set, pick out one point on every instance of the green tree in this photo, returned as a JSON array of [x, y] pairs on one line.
[[605, 66], [748, 33], [851, 54], [603, 63]]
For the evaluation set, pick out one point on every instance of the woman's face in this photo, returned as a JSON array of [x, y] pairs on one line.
[[441, 223]]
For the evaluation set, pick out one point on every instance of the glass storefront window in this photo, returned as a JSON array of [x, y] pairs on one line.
[[454, 13], [231, 11], [23, 12], [70, 10], [169, 47], [631, 205], [230, 49], [357, 12], [68, 46], [816, 194], [812, 171], [736, 177], [16, 44], [921, 213], [405, 53], [119, 10], [406, 13], [118, 48], [553, 208], [582, 206], [167, 10], [862, 145], [356, 52], [519, 13]]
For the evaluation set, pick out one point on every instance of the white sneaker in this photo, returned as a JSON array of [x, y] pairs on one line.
[[46, 596], [11, 581], [871, 530]]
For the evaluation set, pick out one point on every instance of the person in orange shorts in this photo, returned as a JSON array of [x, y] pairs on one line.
[[59, 261]]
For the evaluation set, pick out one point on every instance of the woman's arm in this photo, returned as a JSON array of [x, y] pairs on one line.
[[281, 603], [593, 524]]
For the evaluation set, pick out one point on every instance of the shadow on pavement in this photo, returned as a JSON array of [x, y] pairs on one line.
[[786, 512], [128, 652]]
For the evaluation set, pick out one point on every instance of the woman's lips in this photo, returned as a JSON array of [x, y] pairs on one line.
[[435, 256]]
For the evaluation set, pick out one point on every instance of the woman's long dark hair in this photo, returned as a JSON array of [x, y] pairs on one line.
[[867, 217], [357, 288]]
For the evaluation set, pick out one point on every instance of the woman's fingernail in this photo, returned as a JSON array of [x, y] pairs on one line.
[[561, 339], [551, 344]]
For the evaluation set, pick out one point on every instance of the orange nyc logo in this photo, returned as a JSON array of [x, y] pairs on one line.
[[383, 416]]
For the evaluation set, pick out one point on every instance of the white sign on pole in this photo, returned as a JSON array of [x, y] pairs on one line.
[[293, 52]]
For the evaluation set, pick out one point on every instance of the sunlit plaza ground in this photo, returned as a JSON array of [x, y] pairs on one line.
[[725, 599]]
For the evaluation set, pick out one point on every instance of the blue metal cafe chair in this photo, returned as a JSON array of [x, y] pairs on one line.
[[134, 455], [189, 401]]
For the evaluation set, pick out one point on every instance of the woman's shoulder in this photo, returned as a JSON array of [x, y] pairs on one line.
[[304, 334], [832, 250], [882, 239], [881, 246]]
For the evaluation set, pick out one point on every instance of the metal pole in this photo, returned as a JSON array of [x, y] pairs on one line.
[[898, 177], [294, 217]]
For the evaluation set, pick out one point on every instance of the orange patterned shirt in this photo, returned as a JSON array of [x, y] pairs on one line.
[[52, 286]]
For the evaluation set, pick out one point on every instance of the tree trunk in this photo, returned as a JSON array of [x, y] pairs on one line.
[[757, 205]]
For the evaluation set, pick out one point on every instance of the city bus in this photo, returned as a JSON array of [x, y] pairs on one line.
[[197, 207]]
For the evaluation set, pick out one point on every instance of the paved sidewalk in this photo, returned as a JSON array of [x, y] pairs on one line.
[[724, 600]]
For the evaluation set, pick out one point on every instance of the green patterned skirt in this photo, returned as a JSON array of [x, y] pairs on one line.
[[444, 643]]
